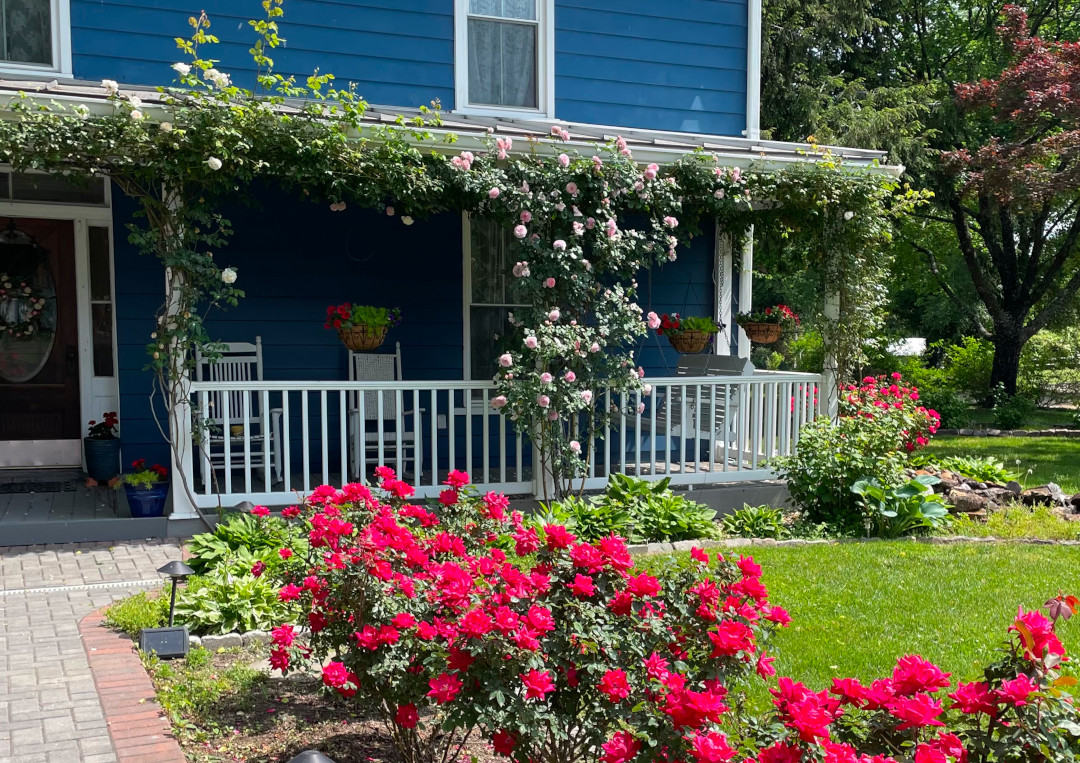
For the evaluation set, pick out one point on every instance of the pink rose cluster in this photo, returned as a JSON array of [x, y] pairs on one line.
[[888, 400]]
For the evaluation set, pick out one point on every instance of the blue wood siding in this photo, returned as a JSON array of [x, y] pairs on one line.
[[399, 53], [630, 63], [665, 66]]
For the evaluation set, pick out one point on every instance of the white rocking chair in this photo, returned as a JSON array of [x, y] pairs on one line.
[[371, 410], [239, 362]]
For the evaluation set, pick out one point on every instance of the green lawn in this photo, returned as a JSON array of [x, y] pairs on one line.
[[1043, 418], [855, 608], [1052, 459]]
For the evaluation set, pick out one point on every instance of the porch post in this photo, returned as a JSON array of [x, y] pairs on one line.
[[829, 394], [178, 400], [746, 287], [722, 278]]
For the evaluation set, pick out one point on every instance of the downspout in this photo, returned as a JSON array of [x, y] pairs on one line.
[[753, 70]]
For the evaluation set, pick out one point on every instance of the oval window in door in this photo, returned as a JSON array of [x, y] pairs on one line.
[[27, 307]]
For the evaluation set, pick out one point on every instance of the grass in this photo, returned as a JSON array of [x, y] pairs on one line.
[[1043, 418], [1019, 521], [857, 607], [1051, 459]]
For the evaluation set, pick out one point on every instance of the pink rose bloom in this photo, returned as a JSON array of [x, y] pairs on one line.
[[594, 347], [586, 395], [504, 145], [390, 211], [671, 222], [571, 188], [506, 360], [521, 269], [530, 342], [654, 320], [639, 186], [597, 162], [556, 131], [554, 315], [526, 216], [498, 402], [579, 229], [575, 446], [641, 407], [651, 170], [521, 231], [560, 245], [570, 376], [545, 378], [543, 401], [494, 193], [647, 390], [640, 372], [672, 256], [549, 282], [612, 228], [553, 415], [590, 223], [564, 160]]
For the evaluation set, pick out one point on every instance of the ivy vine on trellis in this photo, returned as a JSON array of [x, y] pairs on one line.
[[584, 224]]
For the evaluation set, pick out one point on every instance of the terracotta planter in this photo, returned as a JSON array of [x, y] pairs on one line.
[[763, 333], [689, 342], [362, 338], [102, 458]]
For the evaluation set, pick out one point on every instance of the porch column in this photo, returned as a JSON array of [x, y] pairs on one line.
[[178, 402], [829, 394], [746, 287], [722, 279]]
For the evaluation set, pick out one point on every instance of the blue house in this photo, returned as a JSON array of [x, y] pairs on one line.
[[292, 407]]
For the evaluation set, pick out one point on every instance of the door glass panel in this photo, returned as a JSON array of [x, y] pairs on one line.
[[34, 186], [27, 308], [100, 277], [490, 328], [101, 315]]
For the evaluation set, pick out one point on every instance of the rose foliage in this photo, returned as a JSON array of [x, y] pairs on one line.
[[464, 622]]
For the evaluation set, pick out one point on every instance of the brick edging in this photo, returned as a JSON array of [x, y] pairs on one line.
[[137, 725]]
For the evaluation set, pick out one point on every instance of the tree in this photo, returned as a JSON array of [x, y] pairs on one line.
[[1014, 200]]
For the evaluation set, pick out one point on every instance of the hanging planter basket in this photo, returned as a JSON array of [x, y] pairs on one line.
[[362, 338], [763, 333], [689, 342]]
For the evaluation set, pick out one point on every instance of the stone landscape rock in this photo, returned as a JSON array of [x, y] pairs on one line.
[[1044, 495], [968, 502], [1075, 501]]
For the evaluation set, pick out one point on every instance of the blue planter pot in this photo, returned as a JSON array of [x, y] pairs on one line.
[[102, 458], [147, 502]]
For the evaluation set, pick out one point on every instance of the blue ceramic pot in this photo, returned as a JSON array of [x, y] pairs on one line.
[[147, 502], [102, 458]]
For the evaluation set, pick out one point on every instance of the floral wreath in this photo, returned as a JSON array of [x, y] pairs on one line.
[[24, 293]]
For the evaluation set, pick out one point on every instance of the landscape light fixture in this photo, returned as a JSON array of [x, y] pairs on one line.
[[169, 642], [311, 756]]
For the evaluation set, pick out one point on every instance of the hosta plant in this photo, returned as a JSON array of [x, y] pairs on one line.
[[557, 651]]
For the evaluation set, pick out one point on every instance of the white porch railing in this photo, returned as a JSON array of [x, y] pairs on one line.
[[268, 442]]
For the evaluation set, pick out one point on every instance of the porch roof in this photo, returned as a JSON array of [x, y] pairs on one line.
[[658, 146]]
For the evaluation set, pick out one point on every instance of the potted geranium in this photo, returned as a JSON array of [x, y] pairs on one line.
[[101, 447], [147, 488], [361, 327], [766, 326], [687, 334]]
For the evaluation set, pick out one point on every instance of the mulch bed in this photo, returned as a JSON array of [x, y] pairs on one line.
[[277, 718]]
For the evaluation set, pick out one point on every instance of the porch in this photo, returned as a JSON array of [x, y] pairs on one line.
[[284, 438]]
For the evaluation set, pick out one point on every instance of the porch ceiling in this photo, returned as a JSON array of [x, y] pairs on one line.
[[471, 131]]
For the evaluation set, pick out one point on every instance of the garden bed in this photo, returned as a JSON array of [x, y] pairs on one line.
[[1051, 459]]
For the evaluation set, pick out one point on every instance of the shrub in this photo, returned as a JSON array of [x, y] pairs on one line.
[[645, 511], [1011, 411], [890, 512], [428, 623], [240, 542], [223, 602], [968, 365], [1016, 713], [755, 522], [1050, 367], [807, 352], [879, 423], [140, 610]]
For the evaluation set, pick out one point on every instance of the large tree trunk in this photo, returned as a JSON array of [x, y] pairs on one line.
[[1008, 343]]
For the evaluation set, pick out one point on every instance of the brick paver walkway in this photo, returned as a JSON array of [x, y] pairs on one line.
[[49, 709]]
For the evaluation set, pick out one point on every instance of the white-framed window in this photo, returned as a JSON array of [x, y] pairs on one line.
[[35, 37], [504, 57], [488, 273]]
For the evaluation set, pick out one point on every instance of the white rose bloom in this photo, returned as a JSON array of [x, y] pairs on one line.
[[213, 163], [111, 86], [848, 215], [228, 275], [135, 101], [166, 126], [182, 68], [406, 219], [136, 114]]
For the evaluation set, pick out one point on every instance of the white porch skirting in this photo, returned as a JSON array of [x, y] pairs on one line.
[[271, 442]]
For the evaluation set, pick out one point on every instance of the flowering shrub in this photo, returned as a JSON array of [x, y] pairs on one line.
[[553, 650], [1017, 713], [880, 422]]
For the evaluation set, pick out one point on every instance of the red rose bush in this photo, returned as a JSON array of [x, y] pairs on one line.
[[466, 622]]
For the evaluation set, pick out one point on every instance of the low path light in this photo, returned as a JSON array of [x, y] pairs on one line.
[[311, 756], [168, 642]]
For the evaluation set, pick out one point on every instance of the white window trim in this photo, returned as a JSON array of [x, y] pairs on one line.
[[60, 14], [545, 66]]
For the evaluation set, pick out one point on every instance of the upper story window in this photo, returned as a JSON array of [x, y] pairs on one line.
[[34, 37], [504, 52]]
